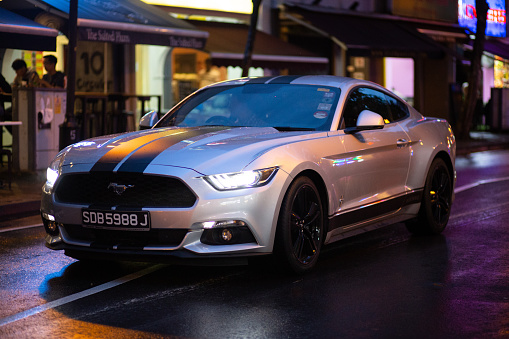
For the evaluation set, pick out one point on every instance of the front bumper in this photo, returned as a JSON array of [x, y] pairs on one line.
[[255, 208]]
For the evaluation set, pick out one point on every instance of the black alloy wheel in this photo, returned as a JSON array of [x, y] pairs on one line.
[[440, 195], [436, 201], [300, 230]]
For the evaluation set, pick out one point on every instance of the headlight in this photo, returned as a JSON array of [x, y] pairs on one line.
[[238, 180], [54, 170]]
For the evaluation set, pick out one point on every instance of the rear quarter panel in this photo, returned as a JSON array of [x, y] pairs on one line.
[[430, 137]]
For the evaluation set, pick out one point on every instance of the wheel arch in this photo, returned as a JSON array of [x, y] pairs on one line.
[[322, 189], [448, 162]]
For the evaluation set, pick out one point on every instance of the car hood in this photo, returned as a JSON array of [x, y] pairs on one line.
[[207, 150]]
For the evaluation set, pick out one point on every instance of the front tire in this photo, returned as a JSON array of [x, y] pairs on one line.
[[300, 228], [436, 201]]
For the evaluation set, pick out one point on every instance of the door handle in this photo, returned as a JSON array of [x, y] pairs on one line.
[[402, 142]]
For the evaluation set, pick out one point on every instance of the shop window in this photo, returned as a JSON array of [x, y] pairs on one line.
[[399, 77]]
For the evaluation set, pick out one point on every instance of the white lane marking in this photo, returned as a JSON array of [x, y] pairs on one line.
[[478, 183], [15, 228], [129, 277], [481, 210], [79, 295]]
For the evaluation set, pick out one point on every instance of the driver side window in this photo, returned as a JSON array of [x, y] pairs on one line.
[[360, 99]]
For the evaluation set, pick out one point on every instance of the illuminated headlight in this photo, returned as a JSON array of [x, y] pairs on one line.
[[54, 170], [238, 180]]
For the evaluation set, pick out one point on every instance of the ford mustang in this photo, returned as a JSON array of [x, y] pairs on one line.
[[277, 166]]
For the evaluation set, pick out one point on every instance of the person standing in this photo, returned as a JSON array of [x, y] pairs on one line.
[[54, 78], [25, 77], [5, 88], [4, 85]]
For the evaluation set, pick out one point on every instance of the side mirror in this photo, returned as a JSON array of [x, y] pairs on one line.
[[367, 120], [149, 120]]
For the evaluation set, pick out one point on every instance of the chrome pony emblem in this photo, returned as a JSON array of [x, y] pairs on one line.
[[119, 189]]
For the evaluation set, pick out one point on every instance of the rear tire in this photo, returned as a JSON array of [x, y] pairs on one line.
[[300, 228], [436, 201]]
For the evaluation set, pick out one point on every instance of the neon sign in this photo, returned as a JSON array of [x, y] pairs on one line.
[[496, 19]]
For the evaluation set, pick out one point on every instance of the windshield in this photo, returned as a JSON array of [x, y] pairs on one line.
[[283, 106]]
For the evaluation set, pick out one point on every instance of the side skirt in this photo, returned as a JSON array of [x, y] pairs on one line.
[[375, 215]]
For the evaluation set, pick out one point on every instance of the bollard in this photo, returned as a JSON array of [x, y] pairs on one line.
[[70, 133]]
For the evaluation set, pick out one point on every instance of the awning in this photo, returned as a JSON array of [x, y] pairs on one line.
[[18, 32], [227, 43], [369, 36], [121, 21], [497, 47], [129, 33]]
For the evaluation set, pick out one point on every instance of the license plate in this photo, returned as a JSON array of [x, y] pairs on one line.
[[121, 220]]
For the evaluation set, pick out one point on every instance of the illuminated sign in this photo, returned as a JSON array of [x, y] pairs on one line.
[[495, 24]]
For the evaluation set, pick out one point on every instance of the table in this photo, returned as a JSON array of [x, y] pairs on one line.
[[92, 97], [7, 123], [120, 125], [10, 123], [117, 100]]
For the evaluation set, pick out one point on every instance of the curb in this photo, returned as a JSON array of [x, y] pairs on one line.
[[481, 148]]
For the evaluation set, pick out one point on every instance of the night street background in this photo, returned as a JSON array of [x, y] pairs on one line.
[[383, 284]]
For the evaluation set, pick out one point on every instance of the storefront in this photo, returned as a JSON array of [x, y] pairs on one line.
[[106, 64], [18, 32], [494, 99], [495, 87], [221, 58], [415, 58]]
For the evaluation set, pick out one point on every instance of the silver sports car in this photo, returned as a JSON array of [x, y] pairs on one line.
[[273, 165]]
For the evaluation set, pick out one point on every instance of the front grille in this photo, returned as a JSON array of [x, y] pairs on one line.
[[145, 191], [126, 239]]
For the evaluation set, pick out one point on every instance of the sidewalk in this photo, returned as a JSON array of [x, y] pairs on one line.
[[23, 199], [482, 141]]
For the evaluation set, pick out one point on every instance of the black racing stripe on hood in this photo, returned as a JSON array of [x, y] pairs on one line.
[[116, 154], [140, 159]]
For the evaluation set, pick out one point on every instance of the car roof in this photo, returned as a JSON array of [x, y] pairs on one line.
[[320, 80]]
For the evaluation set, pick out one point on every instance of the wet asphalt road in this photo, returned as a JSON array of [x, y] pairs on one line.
[[384, 284]]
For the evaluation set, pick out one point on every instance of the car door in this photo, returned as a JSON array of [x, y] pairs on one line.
[[377, 160]]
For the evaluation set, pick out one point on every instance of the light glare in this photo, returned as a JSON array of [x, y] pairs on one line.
[[51, 177], [238, 180]]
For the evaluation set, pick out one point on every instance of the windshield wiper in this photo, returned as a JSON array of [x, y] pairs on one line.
[[288, 128]]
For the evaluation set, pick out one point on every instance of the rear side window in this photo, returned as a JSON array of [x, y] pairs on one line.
[[397, 108]]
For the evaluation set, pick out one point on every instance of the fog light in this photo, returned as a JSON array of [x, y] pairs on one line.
[[50, 225], [226, 235]]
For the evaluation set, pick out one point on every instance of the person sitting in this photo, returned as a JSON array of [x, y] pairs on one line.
[[244, 111], [25, 77], [53, 78]]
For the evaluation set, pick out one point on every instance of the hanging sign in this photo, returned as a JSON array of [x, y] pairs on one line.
[[496, 19]]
